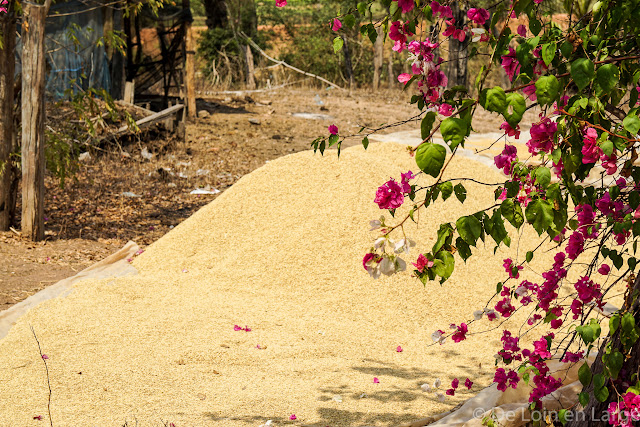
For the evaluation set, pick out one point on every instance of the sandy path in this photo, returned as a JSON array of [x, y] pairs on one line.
[[280, 252]]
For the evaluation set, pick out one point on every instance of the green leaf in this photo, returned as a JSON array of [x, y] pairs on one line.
[[535, 26], [337, 44], [584, 374], [469, 228], [448, 262], [548, 53], [584, 399], [628, 323], [446, 188], [498, 232], [365, 142], [543, 177], [454, 131], [515, 109], [547, 88], [461, 192], [445, 237], [529, 256], [427, 124], [512, 212], [563, 416], [362, 8], [614, 324], [599, 390], [463, 249], [582, 72], [631, 124], [496, 100], [566, 49], [607, 147], [539, 214], [613, 361], [607, 77], [586, 333], [349, 20]]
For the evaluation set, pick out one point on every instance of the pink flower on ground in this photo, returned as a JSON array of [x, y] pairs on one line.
[[468, 383], [450, 392], [293, 417], [376, 380], [333, 130], [281, 3], [604, 269], [45, 357], [399, 349], [336, 25], [478, 15], [422, 262], [389, 195], [455, 383]]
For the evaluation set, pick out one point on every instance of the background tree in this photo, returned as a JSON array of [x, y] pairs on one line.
[[7, 133]]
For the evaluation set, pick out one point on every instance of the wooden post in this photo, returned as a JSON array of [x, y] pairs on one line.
[[251, 80], [190, 68], [129, 92], [391, 78], [7, 68], [33, 118], [457, 64], [377, 59]]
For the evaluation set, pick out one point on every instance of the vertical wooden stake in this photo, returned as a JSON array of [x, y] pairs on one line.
[[190, 66], [33, 118], [251, 81], [7, 65], [377, 59]]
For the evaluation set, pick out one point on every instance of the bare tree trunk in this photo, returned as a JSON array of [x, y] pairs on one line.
[[250, 81], [377, 59], [33, 118], [592, 415], [189, 66], [457, 65], [7, 69], [391, 77], [348, 66]]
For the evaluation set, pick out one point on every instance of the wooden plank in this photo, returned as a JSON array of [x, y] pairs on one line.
[[147, 121], [190, 71], [129, 92]]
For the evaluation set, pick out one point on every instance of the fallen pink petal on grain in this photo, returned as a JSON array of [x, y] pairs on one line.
[[376, 380]]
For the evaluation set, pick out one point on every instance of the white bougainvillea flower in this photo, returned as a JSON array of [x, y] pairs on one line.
[[425, 387], [401, 265], [521, 291], [375, 224], [387, 266], [438, 336], [477, 34], [437, 383], [440, 397], [478, 314], [380, 242], [403, 245]]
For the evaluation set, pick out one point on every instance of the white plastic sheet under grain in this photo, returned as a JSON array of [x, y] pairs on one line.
[[279, 252]]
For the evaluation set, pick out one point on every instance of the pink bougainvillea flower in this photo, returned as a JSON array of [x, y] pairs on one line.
[[404, 78], [376, 380], [406, 5], [509, 131], [422, 263], [506, 379], [604, 269], [404, 181], [389, 195], [455, 383], [293, 417], [446, 110], [591, 152], [510, 63], [184, 270], [38, 417], [522, 30], [460, 334], [542, 136], [281, 3], [333, 130], [478, 15], [399, 349], [570, 357], [468, 383], [336, 24], [450, 392], [45, 357], [530, 91]]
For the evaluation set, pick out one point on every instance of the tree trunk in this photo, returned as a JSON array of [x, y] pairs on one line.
[[250, 69], [348, 66], [216, 11], [377, 59], [592, 415], [391, 77], [7, 68], [190, 67], [457, 65], [33, 118]]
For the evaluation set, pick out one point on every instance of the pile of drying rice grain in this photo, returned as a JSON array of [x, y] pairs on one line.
[[280, 253]]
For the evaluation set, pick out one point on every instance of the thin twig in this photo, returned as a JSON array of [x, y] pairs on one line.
[[44, 360]]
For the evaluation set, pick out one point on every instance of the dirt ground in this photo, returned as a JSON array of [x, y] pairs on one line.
[[119, 195]]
